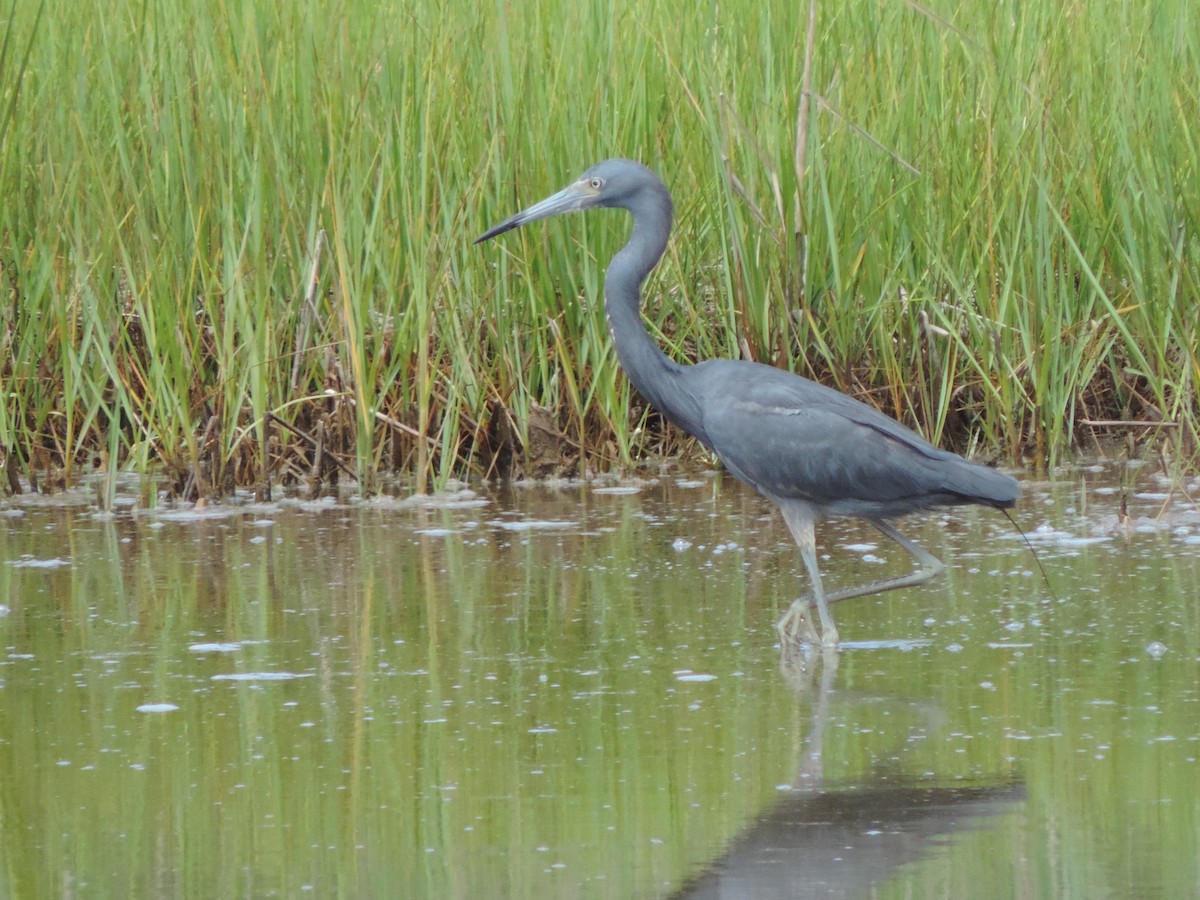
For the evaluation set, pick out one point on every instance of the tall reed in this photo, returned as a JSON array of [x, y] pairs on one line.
[[991, 233]]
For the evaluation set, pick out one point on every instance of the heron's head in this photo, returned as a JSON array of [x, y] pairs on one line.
[[614, 182]]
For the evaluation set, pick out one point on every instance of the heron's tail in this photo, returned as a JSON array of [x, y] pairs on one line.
[[977, 483]]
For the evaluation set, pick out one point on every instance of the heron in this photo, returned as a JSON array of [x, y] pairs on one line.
[[813, 451]]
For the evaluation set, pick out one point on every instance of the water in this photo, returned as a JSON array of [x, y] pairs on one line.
[[573, 692]]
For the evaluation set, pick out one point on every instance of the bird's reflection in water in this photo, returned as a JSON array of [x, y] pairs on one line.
[[822, 840]]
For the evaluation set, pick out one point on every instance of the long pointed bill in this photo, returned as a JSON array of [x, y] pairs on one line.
[[568, 199]]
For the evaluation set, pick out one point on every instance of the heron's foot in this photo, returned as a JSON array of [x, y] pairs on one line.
[[796, 626]]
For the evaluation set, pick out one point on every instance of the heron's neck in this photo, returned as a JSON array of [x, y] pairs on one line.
[[656, 376]]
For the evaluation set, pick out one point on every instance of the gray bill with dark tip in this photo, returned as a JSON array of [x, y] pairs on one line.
[[567, 200]]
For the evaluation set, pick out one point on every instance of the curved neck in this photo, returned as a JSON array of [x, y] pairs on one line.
[[656, 376]]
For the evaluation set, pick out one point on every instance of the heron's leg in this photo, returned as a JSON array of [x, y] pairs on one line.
[[931, 566], [801, 522]]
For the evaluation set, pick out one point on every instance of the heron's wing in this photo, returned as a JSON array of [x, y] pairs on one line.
[[793, 438]]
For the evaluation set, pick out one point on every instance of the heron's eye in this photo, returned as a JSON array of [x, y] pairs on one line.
[[595, 183]]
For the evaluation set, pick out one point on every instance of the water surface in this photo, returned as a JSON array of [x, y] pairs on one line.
[[577, 692]]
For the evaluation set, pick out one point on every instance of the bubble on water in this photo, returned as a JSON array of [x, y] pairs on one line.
[[157, 707], [689, 675], [215, 647], [535, 524], [28, 562], [904, 644], [681, 544], [1156, 649]]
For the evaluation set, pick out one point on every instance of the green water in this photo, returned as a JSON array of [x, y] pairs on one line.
[[577, 693]]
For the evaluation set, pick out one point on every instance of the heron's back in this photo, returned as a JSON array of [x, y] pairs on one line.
[[794, 439]]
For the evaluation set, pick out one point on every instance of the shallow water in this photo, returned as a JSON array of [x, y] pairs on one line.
[[577, 692]]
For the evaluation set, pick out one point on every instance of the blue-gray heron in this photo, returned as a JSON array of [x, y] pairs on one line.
[[812, 450]]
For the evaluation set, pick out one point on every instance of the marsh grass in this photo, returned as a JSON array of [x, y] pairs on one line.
[[236, 237]]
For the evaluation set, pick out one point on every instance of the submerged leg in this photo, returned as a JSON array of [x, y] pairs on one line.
[[801, 522], [930, 568]]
